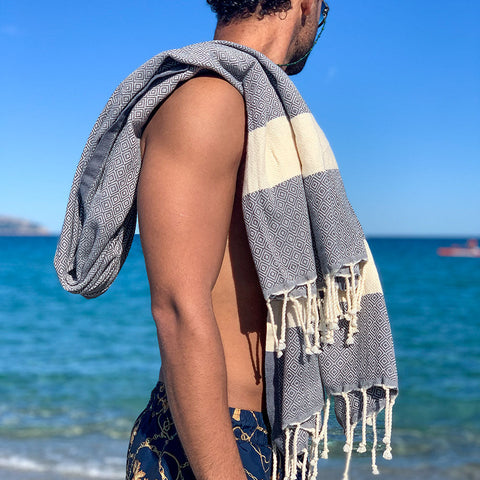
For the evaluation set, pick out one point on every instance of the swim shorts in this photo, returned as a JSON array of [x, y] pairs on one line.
[[155, 451]]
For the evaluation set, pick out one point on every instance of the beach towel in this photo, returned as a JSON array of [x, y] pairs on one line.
[[328, 333]]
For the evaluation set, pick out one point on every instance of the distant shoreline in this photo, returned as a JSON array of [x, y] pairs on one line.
[[28, 235], [19, 227]]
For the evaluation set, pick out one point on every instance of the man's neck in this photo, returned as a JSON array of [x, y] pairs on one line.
[[270, 35]]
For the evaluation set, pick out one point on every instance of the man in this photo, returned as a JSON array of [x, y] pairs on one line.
[[263, 289], [206, 300]]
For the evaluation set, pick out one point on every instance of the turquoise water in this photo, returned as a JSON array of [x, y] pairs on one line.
[[75, 373]]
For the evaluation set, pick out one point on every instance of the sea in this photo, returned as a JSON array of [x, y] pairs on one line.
[[75, 373]]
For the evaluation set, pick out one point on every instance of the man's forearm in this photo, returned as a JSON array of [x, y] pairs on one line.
[[193, 365]]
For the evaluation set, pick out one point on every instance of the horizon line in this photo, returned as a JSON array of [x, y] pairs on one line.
[[440, 236]]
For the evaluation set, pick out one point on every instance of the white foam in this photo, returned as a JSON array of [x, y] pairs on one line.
[[115, 470], [20, 463], [92, 471]]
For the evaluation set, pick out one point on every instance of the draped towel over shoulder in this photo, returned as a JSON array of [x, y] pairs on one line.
[[328, 334]]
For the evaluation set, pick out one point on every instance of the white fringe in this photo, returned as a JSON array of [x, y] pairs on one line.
[[349, 455], [348, 446], [362, 448], [316, 325], [387, 454], [293, 468], [318, 318], [324, 432], [308, 466], [274, 461], [374, 446], [349, 431], [283, 330], [306, 462], [332, 308], [288, 456], [271, 319], [313, 467]]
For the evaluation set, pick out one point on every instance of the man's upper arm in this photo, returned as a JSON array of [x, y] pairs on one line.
[[193, 147]]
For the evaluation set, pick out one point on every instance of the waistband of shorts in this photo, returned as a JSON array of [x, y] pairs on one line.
[[250, 419]]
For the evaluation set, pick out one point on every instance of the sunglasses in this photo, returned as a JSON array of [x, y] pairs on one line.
[[323, 15]]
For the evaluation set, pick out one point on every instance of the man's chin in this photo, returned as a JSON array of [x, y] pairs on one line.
[[295, 69]]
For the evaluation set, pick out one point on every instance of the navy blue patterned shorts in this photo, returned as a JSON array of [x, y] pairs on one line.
[[155, 451]]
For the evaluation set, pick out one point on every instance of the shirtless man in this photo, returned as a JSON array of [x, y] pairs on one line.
[[206, 301]]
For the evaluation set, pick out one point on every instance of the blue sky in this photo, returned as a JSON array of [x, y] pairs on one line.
[[394, 85]]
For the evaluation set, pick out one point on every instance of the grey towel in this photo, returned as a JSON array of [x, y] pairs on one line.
[[328, 334]]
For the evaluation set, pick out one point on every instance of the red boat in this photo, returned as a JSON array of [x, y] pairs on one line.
[[471, 250]]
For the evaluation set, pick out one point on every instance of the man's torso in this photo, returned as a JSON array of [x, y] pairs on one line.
[[240, 312]]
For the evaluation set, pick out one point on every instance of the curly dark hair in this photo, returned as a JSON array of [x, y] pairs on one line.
[[228, 10]]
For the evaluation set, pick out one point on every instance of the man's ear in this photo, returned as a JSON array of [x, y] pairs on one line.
[[307, 6]]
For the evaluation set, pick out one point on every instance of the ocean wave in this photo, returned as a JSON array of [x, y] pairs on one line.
[[87, 470], [92, 456]]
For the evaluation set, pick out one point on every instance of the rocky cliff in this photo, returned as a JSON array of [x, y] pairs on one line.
[[10, 226]]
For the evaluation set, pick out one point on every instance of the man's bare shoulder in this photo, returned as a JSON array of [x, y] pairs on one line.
[[204, 113]]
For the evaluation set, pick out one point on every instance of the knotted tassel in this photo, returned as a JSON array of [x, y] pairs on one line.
[[271, 319], [283, 328], [349, 455], [287, 454], [362, 448], [314, 449], [349, 431], [322, 327], [331, 308], [301, 322], [293, 469], [316, 326], [312, 319], [304, 464], [347, 447], [374, 446], [274, 461], [387, 454], [354, 292], [324, 432]]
